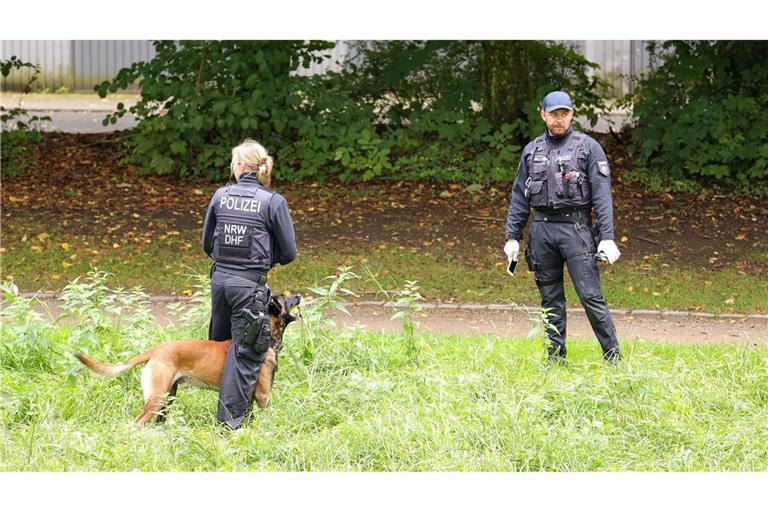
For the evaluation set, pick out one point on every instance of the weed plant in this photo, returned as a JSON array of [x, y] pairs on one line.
[[350, 400]]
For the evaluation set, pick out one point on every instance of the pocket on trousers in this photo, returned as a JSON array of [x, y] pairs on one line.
[[587, 237]]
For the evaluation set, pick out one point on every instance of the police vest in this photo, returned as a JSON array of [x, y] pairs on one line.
[[241, 240], [558, 177]]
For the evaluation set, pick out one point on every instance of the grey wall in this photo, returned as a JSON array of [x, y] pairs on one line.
[[76, 65], [79, 65]]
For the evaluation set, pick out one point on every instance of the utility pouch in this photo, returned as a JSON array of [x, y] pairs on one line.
[[257, 332], [560, 183], [573, 185], [529, 257]]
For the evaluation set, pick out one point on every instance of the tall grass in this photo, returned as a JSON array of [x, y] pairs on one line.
[[350, 400]]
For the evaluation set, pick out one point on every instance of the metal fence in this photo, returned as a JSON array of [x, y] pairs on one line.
[[79, 65]]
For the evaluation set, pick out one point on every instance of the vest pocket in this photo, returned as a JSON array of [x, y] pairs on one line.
[[537, 193], [575, 183], [585, 192]]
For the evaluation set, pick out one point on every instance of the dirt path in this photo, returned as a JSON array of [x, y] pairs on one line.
[[690, 330], [504, 322]]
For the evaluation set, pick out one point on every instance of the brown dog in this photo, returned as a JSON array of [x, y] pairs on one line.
[[198, 363]]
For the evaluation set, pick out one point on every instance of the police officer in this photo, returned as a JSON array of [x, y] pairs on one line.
[[247, 230], [564, 175]]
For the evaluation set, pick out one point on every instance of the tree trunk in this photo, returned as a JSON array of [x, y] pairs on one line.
[[507, 69]]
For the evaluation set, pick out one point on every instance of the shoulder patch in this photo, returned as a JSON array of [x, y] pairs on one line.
[[602, 166]]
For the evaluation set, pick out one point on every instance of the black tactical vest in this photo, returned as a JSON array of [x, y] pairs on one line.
[[241, 240], [558, 177]]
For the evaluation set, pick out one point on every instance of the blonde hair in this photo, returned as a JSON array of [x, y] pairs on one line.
[[255, 158]]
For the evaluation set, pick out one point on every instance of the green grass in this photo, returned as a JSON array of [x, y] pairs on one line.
[[164, 266], [352, 400]]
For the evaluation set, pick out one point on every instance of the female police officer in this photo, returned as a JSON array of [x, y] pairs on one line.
[[564, 175], [247, 230]]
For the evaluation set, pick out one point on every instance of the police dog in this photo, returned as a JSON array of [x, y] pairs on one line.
[[197, 362]]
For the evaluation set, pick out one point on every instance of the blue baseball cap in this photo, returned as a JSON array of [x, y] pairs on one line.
[[556, 100]]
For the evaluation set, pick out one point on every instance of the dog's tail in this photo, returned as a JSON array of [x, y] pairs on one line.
[[109, 370]]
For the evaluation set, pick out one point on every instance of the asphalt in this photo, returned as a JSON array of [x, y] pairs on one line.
[[83, 113], [73, 113]]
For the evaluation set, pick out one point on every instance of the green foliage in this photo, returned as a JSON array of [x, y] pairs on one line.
[[518, 74], [316, 326], [407, 301], [473, 404], [403, 109], [201, 98], [700, 116], [20, 131], [414, 109], [194, 315], [23, 332], [406, 305]]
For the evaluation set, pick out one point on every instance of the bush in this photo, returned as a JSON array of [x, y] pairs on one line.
[[699, 116], [201, 98], [20, 131], [414, 109], [406, 109]]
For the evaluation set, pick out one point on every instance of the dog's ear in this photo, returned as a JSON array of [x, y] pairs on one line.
[[275, 308], [292, 303]]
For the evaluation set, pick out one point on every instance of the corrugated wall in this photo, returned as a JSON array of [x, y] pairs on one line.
[[76, 65], [79, 65], [618, 60], [96, 61], [53, 57]]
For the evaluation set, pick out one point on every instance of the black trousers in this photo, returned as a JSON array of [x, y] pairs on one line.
[[229, 296], [550, 246]]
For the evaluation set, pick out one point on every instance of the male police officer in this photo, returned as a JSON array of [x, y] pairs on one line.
[[247, 230], [564, 175]]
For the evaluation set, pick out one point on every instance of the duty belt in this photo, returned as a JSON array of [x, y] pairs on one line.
[[571, 216], [252, 275]]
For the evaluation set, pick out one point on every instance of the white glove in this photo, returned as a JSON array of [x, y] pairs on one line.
[[512, 249], [608, 247]]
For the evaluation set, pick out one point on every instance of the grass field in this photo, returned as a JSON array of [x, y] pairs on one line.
[[164, 267], [348, 400]]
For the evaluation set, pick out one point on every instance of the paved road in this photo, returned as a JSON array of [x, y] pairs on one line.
[[73, 113], [82, 113]]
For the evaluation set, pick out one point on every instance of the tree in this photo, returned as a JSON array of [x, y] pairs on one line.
[[200, 98]]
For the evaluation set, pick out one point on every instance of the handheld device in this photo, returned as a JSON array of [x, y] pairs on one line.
[[600, 256], [511, 266]]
